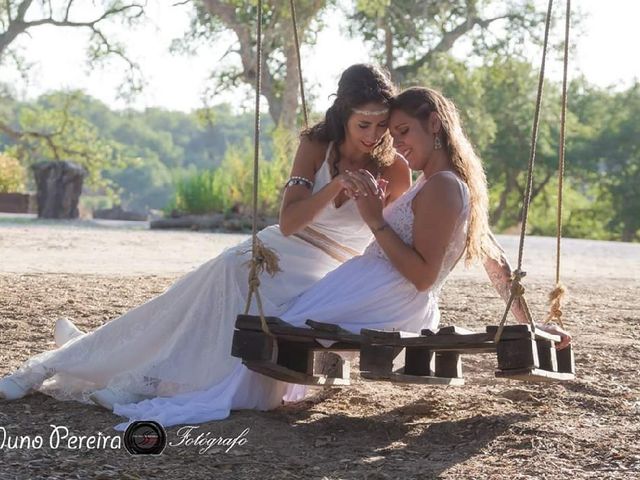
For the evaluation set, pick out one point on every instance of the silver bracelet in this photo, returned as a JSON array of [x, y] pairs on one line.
[[295, 180]]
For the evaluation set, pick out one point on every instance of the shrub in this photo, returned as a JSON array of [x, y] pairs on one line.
[[12, 175]]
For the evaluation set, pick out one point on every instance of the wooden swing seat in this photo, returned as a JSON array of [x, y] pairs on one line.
[[293, 354]]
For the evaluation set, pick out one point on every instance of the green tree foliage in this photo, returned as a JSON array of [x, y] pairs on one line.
[[406, 36], [616, 153], [55, 133], [12, 175], [280, 81]]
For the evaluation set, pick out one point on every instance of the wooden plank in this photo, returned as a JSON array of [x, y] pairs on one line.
[[448, 364], [284, 374], [327, 327], [454, 330], [384, 335], [512, 332], [535, 375], [419, 361], [439, 342], [281, 328], [296, 356], [566, 360], [255, 346], [400, 377], [252, 322], [517, 354], [547, 355], [14, 202], [377, 358]]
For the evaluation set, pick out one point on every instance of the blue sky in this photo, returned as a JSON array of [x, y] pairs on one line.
[[605, 53]]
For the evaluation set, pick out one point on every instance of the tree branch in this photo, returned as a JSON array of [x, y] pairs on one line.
[[447, 41]]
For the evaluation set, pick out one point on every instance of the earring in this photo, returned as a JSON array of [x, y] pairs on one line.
[[437, 144]]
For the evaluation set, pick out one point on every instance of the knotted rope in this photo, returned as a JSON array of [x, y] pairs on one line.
[[558, 293], [517, 289], [264, 258]]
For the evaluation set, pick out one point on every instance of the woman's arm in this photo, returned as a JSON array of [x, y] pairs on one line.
[[436, 211], [299, 205], [499, 272]]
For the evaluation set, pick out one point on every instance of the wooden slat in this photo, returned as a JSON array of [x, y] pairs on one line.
[[454, 330], [378, 358], [327, 327], [547, 355], [384, 335], [281, 328], [250, 345], [566, 360], [439, 342], [284, 374], [511, 332], [535, 375], [419, 361], [520, 353], [296, 356], [252, 322], [399, 377]]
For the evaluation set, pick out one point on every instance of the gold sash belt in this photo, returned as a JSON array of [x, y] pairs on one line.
[[329, 246]]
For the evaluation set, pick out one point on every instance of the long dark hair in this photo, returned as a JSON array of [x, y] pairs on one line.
[[359, 84]]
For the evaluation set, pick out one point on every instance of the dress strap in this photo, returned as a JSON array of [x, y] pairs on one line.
[[326, 155]]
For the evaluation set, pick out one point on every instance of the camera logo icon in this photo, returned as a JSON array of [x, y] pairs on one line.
[[145, 437]]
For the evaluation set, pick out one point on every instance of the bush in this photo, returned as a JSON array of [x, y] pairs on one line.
[[12, 175], [230, 186]]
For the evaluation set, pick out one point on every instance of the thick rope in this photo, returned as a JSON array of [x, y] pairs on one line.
[[299, 58], [556, 295], [517, 293], [262, 258], [517, 289]]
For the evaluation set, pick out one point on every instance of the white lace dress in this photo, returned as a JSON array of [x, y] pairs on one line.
[[364, 292], [180, 340]]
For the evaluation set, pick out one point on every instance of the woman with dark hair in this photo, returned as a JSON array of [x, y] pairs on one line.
[[179, 342]]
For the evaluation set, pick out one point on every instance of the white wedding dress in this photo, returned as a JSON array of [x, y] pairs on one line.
[[364, 292], [180, 341]]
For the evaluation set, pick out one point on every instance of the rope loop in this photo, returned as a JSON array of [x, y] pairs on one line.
[[555, 299]]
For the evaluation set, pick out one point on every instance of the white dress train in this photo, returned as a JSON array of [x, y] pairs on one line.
[[364, 292], [180, 341]]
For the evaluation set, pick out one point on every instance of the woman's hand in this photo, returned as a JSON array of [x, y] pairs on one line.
[[346, 183], [565, 337], [370, 197]]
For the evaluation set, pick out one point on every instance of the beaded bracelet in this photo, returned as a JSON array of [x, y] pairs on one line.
[[295, 180]]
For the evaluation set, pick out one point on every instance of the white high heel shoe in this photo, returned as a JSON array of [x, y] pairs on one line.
[[108, 397], [10, 389], [65, 331]]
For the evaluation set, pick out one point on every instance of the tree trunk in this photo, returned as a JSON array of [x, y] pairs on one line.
[[289, 100], [628, 233], [496, 215], [59, 186]]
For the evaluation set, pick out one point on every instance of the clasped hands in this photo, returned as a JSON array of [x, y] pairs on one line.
[[369, 194]]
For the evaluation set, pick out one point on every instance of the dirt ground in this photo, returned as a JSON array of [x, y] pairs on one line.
[[488, 428]]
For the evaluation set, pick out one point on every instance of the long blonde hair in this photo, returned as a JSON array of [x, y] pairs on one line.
[[420, 102]]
